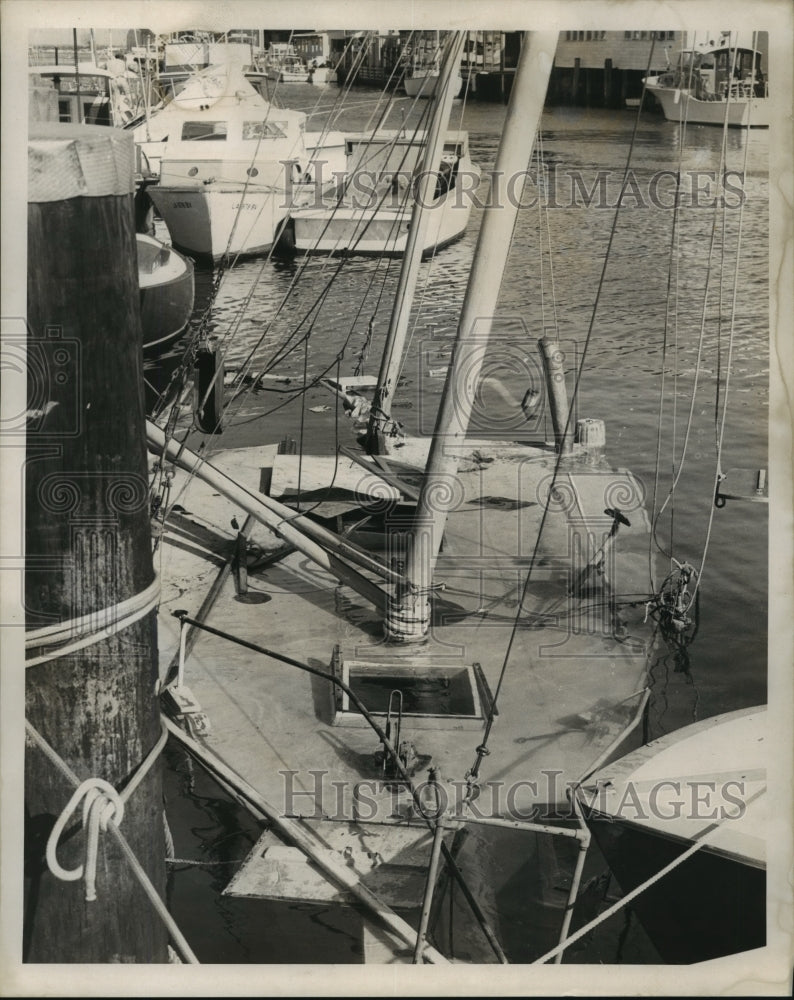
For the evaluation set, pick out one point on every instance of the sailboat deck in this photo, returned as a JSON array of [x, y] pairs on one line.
[[574, 676]]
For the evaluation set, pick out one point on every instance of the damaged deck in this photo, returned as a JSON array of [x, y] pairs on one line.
[[575, 676]]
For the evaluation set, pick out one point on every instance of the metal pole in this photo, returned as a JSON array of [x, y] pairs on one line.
[[315, 542], [397, 333], [584, 843], [432, 873], [80, 115], [328, 862], [558, 396], [408, 617]]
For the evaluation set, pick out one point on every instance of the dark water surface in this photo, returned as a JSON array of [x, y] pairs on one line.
[[725, 665]]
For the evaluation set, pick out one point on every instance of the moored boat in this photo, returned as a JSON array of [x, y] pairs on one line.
[[283, 64], [230, 164], [471, 666], [422, 82], [703, 784], [423, 69], [84, 94], [714, 83], [373, 213], [167, 289]]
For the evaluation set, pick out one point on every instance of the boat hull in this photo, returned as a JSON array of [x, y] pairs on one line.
[[680, 106], [288, 75], [167, 290], [322, 75], [378, 230], [383, 227], [214, 220], [701, 785], [725, 915], [424, 84]]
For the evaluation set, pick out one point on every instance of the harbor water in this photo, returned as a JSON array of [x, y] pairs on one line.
[[637, 317]]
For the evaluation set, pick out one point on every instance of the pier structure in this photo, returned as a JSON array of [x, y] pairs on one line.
[[592, 68]]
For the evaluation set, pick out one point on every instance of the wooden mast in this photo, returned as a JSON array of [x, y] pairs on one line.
[[408, 617], [391, 360]]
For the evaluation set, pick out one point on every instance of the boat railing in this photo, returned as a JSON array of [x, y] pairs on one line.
[[741, 90]]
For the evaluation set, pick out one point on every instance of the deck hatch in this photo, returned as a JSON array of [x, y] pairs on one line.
[[433, 696]]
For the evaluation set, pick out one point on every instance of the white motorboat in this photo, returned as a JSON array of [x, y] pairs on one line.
[[423, 70], [714, 83], [703, 785], [284, 65], [373, 213], [231, 165]]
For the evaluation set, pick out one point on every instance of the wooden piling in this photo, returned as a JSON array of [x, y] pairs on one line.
[[88, 545], [607, 83]]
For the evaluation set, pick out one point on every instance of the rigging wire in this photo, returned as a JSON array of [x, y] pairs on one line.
[[292, 343], [201, 330], [431, 262], [190, 355], [482, 750], [285, 298], [314, 307], [704, 313], [673, 276], [721, 437]]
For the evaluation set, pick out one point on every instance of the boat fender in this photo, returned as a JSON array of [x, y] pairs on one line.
[[209, 365], [286, 241], [144, 212]]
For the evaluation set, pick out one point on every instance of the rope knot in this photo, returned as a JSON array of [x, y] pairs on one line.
[[101, 805]]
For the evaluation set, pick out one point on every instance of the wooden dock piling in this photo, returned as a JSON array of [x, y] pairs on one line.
[[87, 527]]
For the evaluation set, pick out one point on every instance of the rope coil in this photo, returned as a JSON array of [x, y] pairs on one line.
[[90, 628], [102, 805]]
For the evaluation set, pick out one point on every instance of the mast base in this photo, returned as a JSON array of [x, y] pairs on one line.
[[407, 619]]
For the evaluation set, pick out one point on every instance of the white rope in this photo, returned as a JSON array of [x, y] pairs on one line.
[[97, 625], [103, 810], [101, 803]]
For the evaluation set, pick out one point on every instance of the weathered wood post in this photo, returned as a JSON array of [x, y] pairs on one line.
[[88, 547], [607, 83]]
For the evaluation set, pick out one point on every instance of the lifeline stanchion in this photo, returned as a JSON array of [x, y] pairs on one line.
[[432, 872]]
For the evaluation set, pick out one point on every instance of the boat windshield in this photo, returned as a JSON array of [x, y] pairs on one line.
[[265, 130], [85, 83], [195, 131]]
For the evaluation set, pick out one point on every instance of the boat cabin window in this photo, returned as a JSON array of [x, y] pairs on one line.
[[195, 131], [85, 84], [264, 130], [94, 112]]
